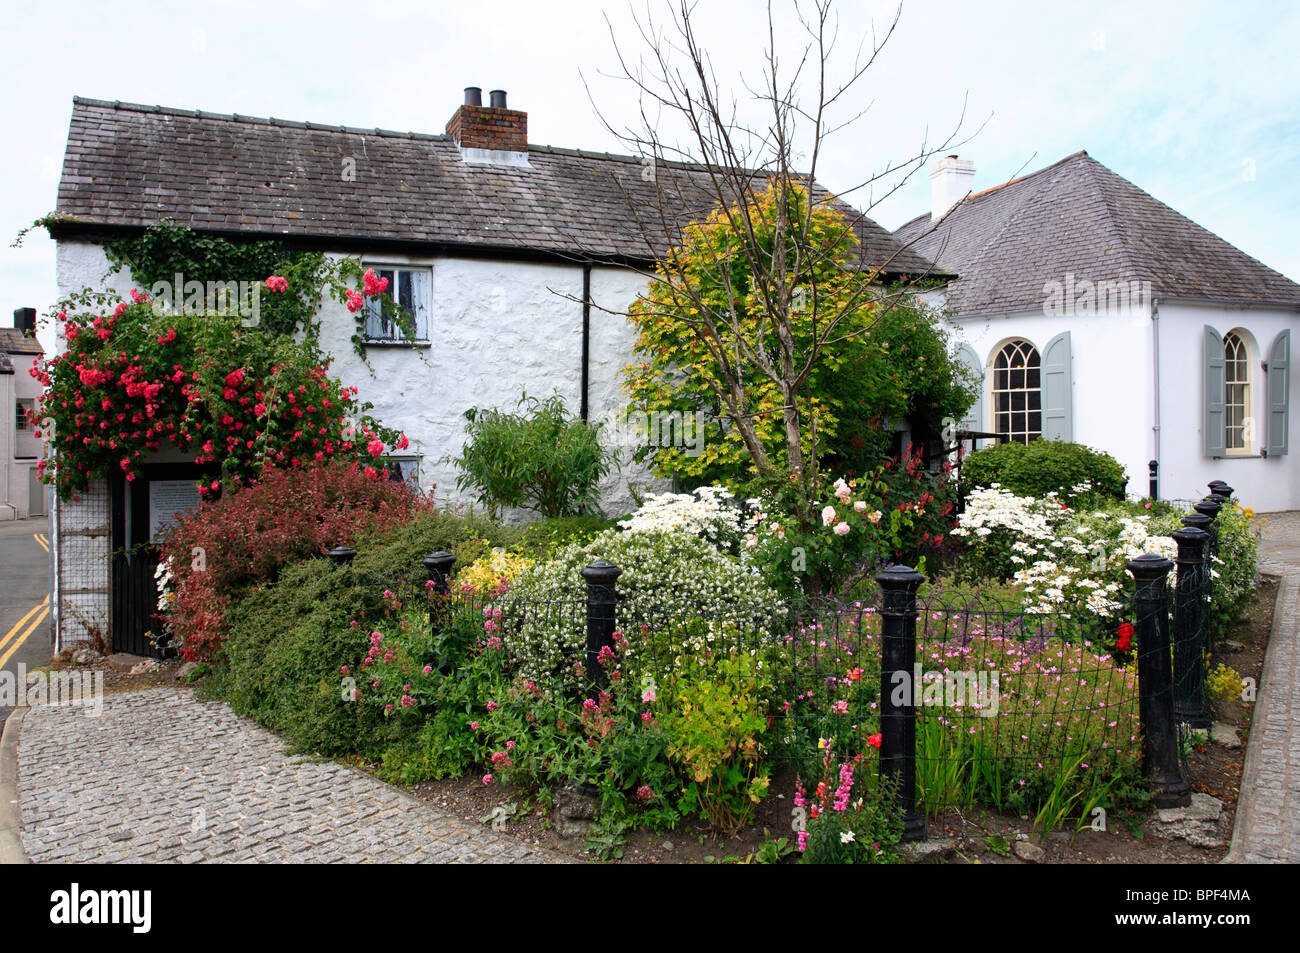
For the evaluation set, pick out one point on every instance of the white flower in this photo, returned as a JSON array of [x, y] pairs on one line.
[[828, 515], [847, 837]]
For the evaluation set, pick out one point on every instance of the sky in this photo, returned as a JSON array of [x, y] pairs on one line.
[[1197, 103]]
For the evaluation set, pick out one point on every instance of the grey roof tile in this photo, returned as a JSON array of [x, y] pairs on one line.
[[1079, 217], [132, 165]]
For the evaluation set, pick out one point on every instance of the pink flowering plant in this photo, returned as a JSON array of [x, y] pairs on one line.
[[850, 816], [898, 512], [615, 741]]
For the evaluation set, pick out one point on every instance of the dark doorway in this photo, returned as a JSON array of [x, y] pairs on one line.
[[140, 509]]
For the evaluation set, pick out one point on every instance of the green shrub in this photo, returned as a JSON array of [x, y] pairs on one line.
[[546, 460], [544, 625], [289, 640], [1046, 466], [283, 658], [397, 552], [1233, 584], [541, 539]]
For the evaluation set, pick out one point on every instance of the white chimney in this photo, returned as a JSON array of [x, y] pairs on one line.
[[950, 182]]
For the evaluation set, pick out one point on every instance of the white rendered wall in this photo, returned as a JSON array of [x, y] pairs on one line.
[[1265, 485], [497, 329], [1111, 369]]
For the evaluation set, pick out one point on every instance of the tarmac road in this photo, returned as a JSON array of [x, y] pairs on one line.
[[25, 634]]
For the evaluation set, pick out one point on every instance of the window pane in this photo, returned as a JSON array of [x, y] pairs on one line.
[[404, 296], [1018, 400]]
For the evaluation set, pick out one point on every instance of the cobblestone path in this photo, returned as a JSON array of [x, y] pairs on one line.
[[163, 777]]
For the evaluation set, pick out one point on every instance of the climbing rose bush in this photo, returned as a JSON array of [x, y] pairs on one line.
[[137, 380]]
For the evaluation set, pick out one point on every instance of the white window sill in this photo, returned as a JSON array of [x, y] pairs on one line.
[[398, 344]]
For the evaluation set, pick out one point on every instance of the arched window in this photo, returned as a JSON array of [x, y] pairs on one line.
[[1017, 393], [1238, 423]]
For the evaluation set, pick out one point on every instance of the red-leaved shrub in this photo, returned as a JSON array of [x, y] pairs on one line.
[[246, 538]]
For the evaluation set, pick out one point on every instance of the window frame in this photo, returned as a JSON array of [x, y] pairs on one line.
[[1239, 363], [1033, 363], [21, 424], [398, 340]]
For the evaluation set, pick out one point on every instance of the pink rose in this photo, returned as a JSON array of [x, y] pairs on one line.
[[841, 529]]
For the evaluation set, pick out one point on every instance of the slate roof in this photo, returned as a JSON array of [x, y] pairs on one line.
[[1078, 216], [131, 165], [13, 341]]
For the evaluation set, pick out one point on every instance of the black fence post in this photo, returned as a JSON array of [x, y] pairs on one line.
[[438, 565], [1153, 485], [341, 556], [1155, 689], [1211, 506], [897, 693], [1202, 522], [602, 600], [1221, 488], [1191, 705]]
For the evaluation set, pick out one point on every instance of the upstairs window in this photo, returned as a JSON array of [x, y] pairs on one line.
[[1017, 393], [408, 287]]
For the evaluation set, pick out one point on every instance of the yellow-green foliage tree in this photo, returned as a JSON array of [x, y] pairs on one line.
[[762, 321]]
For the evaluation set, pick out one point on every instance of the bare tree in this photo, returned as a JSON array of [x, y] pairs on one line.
[[725, 155]]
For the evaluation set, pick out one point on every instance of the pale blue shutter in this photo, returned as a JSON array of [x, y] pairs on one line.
[[974, 419], [1213, 432], [1058, 402], [1278, 386]]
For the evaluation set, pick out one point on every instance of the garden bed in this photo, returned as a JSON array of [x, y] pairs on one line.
[[976, 836]]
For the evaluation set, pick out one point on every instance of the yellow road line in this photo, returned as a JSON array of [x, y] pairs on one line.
[[45, 610], [41, 542], [23, 621]]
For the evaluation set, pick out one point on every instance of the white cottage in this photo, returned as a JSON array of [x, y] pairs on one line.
[[515, 259], [1092, 312]]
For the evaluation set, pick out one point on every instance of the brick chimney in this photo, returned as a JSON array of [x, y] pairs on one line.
[[491, 129]]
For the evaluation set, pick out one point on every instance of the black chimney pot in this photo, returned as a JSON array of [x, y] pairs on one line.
[[473, 96], [498, 98]]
